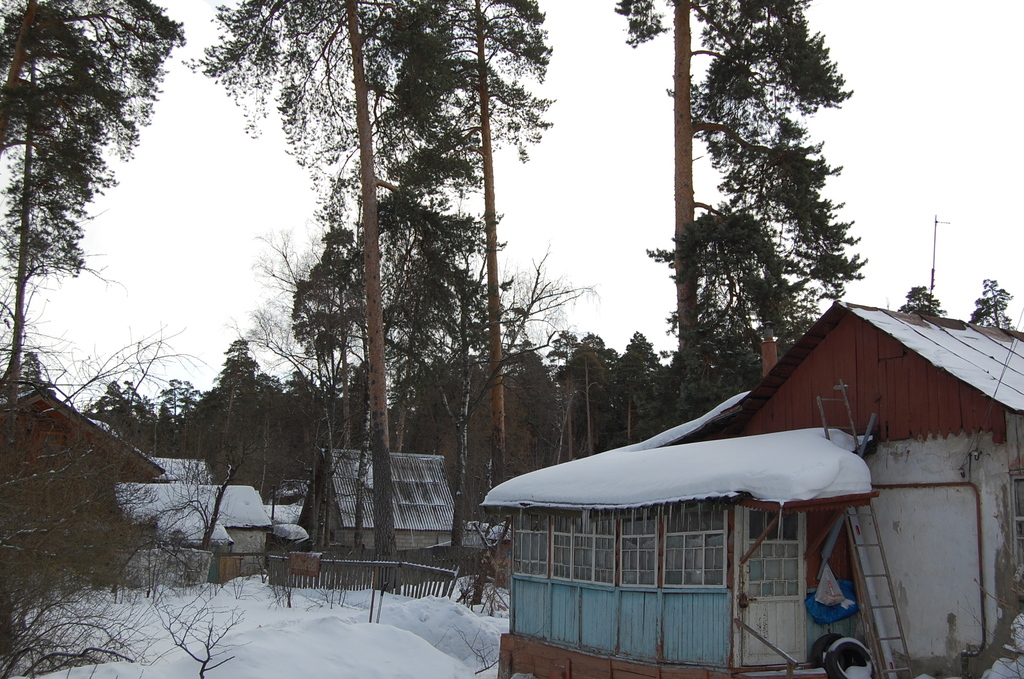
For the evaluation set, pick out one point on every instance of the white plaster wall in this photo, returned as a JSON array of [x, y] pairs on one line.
[[248, 539], [932, 493]]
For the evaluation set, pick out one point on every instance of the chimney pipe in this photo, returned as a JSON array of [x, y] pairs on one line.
[[769, 351]]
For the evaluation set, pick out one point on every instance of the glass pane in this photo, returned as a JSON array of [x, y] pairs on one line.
[[790, 526]]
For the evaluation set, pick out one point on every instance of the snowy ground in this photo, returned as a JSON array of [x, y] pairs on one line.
[[249, 627]]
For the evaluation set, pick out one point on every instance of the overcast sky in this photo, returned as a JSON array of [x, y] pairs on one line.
[[930, 132]]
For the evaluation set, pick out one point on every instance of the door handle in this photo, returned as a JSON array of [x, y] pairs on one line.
[[744, 600]]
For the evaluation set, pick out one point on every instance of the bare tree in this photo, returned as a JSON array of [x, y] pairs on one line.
[[199, 629]]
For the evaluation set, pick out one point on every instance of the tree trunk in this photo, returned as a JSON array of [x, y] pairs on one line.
[[586, 397], [218, 501], [491, 231], [13, 372], [686, 284], [18, 61], [383, 511]]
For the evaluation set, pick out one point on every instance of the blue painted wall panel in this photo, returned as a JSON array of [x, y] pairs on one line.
[[639, 623], [689, 626], [565, 612], [531, 600], [598, 616], [696, 626]]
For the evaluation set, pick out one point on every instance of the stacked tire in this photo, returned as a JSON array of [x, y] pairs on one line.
[[841, 657]]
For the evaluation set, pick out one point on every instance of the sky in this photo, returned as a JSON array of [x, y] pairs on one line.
[[928, 135]]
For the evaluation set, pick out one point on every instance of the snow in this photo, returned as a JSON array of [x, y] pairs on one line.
[[675, 433], [182, 508], [283, 513], [183, 471], [779, 467], [290, 531], [323, 634], [988, 359]]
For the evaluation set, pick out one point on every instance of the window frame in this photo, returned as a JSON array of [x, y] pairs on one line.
[[535, 538], [632, 562], [688, 530]]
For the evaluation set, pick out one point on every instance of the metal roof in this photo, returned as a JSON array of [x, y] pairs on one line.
[[989, 359], [422, 500]]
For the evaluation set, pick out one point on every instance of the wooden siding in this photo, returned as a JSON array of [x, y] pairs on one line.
[[913, 398], [674, 626], [695, 623], [543, 660]]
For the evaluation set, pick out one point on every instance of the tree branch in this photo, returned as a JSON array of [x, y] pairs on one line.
[[729, 132]]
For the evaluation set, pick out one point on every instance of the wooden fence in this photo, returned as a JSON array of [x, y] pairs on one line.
[[301, 570]]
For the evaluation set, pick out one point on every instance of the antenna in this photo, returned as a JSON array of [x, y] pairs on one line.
[[935, 241]]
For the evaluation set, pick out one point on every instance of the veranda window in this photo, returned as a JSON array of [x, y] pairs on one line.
[[583, 548], [594, 549], [639, 548], [530, 552], [561, 549], [695, 545]]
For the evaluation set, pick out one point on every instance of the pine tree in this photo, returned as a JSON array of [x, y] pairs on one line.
[[330, 65], [633, 379], [921, 301], [990, 308], [773, 248], [81, 77], [504, 43]]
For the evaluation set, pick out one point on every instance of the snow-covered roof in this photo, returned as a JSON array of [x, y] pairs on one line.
[[989, 359], [779, 467], [183, 510], [183, 471], [672, 435], [290, 531], [283, 513], [422, 499]]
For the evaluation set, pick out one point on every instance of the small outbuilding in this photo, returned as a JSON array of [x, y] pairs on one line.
[[181, 513], [422, 501]]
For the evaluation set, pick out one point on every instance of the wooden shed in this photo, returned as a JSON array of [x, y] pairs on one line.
[[422, 501]]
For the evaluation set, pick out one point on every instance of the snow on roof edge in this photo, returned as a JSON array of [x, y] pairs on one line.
[[679, 431], [778, 467]]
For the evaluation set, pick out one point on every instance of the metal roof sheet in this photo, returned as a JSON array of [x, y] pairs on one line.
[[422, 500]]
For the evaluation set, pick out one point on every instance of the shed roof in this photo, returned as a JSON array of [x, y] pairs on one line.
[[183, 471], [422, 499], [183, 509], [780, 467]]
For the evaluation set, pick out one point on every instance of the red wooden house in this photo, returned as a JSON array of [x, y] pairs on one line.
[[46, 432]]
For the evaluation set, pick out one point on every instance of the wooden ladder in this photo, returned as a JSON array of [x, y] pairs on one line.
[[883, 627]]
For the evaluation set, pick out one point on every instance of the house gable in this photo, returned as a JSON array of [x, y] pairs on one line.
[[912, 396]]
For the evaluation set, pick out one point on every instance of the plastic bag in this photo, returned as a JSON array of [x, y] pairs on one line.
[[826, 615], [828, 593]]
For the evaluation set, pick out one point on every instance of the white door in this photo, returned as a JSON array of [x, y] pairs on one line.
[[771, 590]]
